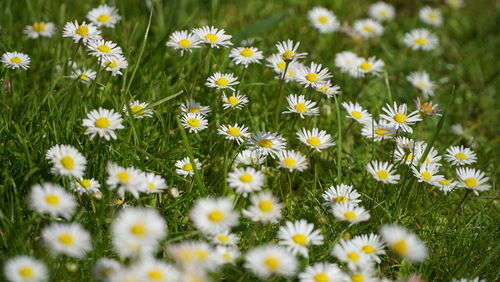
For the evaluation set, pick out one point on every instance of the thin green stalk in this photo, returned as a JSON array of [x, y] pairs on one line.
[[198, 69], [339, 142], [278, 101]]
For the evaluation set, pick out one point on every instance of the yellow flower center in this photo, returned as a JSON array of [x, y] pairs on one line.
[[381, 131], [350, 215], [136, 108], [312, 77], [39, 27], [445, 182], [227, 256], [234, 131], [383, 14], [151, 186], [156, 275], [433, 16], [194, 110], [366, 66], [400, 118], [247, 178], [102, 122], [314, 141], [202, 254], [426, 175], [82, 30], [16, 60], [426, 108], [233, 101], [353, 256], [123, 176], [223, 238], [323, 19], [211, 37], [187, 167], [247, 52], [222, 81], [104, 48], [421, 84], [290, 162], [68, 162], [52, 200], [340, 199], [266, 206], [358, 277], [324, 88], [421, 41], [300, 239], [288, 54], [282, 65], [367, 28], [265, 143], [138, 229], [471, 182], [357, 114], [83, 76], [66, 239], [216, 216], [301, 107], [193, 122], [272, 263], [321, 277], [383, 174], [104, 18], [401, 247], [26, 272], [368, 249], [112, 64], [86, 183], [184, 43], [461, 156]]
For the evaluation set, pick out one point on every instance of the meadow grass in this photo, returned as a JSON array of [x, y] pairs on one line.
[[43, 107]]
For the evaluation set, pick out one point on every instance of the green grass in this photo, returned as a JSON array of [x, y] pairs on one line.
[[44, 108]]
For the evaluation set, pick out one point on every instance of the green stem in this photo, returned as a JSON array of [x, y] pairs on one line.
[[278, 101], [339, 142], [200, 65]]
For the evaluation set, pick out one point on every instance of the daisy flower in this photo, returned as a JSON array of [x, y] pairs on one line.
[[234, 101], [85, 185], [228, 254], [371, 244], [278, 64], [138, 109], [312, 75], [421, 81], [348, 252], [366, 274], [25, 269], [53, 200], [213, 36], [327, 89], [15, 60], [460, 155], [315, 139], [103, 122], [288, 50], [156, 183], [455, 4], [67, 238], [183, 41], [473, 179], [404, 143], [322, 272], [427, 108], [105, 268], [249, 157], [245, 180], [246, 56], [398, 117], [194, 122], [104, 50], [299, 105], [292, 160], [378, 130], [234, 132], [104, 16], [214, 215], [323, 20], [427, 173], [297, 236], [225, 238], [348, 62], [372, 65], [292, 71], [404, 243], [66, 160], [421, 39], [81, 32], [137, 231], [155, 270], [350, 212], [431, 16], [191, 106], [126, 180], [84, 75], [264, 208], [446, 185], [267, 143], [267, 260], [222, 81], [185, 168], [341, 194], [368, 28], [194, 257], [382, 11], [357, 113], [40, 29], [114, 64], [382, 171], [476, 279]]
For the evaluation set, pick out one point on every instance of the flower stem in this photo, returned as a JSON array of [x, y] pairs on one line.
[[278, 101], [339, 142]]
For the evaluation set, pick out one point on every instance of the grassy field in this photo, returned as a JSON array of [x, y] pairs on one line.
[[43, 106]]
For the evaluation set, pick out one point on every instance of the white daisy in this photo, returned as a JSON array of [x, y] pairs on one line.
[[267, 143], [446, 185], [155, 270], [195, 257], [104, 50], [228, 254], [341, 194], [357, 113], [327, 89], [103, 122], [185, 168], [222, 81], [246, 180], [105, 268], [249, 157], [213, 215], [194, 122], [312, 75], [382, 11], [264, 208], [323, 20], [404, 143], [126, 180], [84, 75], [322, 272], [81, 32], [460, 155], [156, 183], [234, 132], [224, 238], [288, 50], [455, 4], [246, 55], [348, 252], [404, 243], [382, 171], [299, 105], [398, 117], [421, 81], [292, 160], [191, 106], [40, 29], [298, 235], [348, 62], [474, 179], [184, 41], [371, 245], [114, 64], [371, 65], [53, 200], [234, 101], [368, 28], [431, 16], [67, 238], [315, 139], [25, 269], [421, 39], [66, 160], [378, 130], [427, 173], [15, 60], [213, 36], [350, 212], [270, 259], [138, 109], [278, 64], [104, 16], [85, 185]]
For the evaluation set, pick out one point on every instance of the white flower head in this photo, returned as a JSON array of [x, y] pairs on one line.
[[138, 109], [298, 235], [382, 11], [250, 157], [357, 113], [81, 32], [84, 75], [474, 179], [104, 50], [191, 106], [315, 139], [348, 252], [53, 200], [350, 212], [156, 183], [16, 60], [213, 36], [234, 100], [313, 75], [234, 132], [404, 243], [348, 62], [246, 180], [67, 238], [431, 16], [103, 122], [85, 186], [25, 269], [40, 29], [383, 172], [399, 117], [264, 208], [322, 272], [292, 160], [267, 143], [220, 80], [114, 64], [66, 160], [421, 39], [214, 215], [270, 259], [106, 268], [371, 244], [185, 168], [246, 55], [341, 194], [104, 16], [194, 122], [368, 28], [184, 41], [371, 65], [323, 20], [422, 82], [427, 173], [288, 50], [124, 180], [299, 105], [378, 130], [460, 155]]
